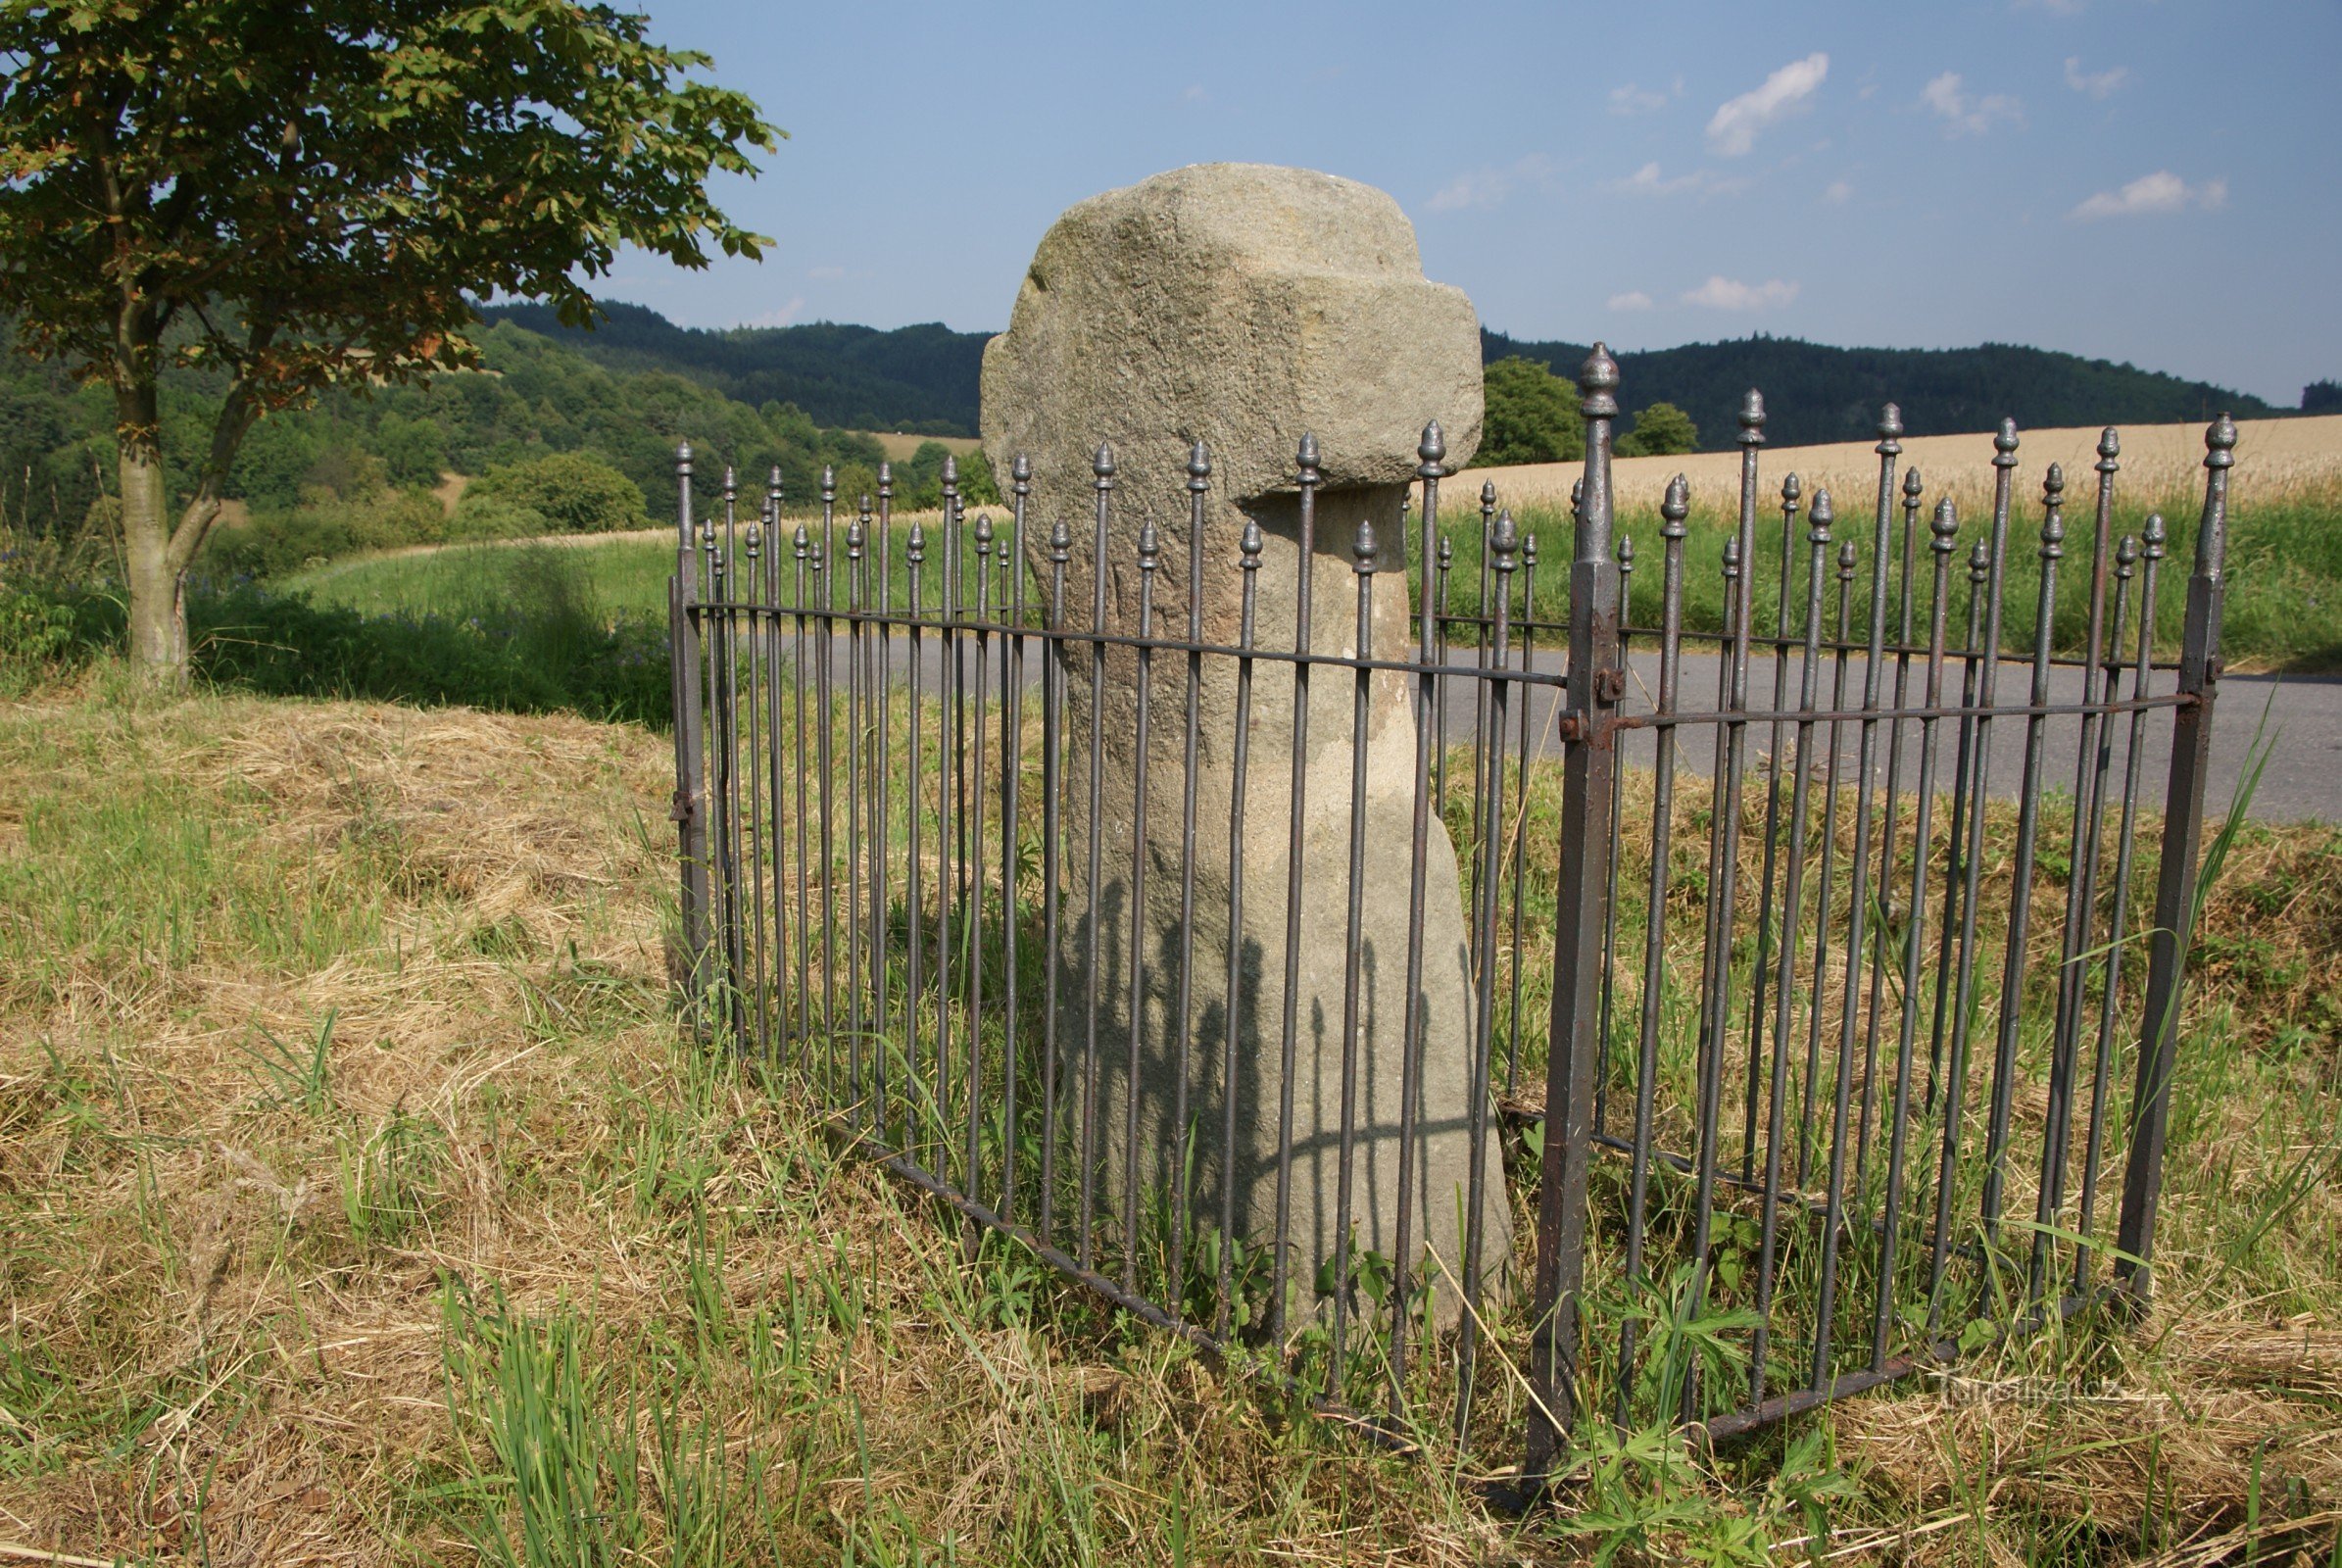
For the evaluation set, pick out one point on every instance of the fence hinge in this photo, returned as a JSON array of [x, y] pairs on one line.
[[679, 810]]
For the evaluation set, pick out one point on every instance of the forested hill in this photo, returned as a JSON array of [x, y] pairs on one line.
[[916, 379], [923, 378], [1815, 393]]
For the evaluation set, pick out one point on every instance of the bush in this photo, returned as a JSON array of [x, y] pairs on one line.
[[273, 544], [484, 514], [575, 492], [1532, 416], [1660, 430]]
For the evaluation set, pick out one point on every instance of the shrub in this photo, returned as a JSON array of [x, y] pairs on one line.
[[1532, 416], [1660, 430], [485, 514], [275, 543], [575, 492]]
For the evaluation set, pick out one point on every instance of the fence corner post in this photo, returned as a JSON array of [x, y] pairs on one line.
[[2176, 886], [689, 968], [1589, 764]]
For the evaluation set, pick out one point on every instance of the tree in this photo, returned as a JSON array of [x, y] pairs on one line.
[[575, 492], [1532, 416], [2322, 397], [1660, 430], [301, 196]]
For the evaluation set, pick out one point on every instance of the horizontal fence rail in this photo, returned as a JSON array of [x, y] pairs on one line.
[[1413, 962]]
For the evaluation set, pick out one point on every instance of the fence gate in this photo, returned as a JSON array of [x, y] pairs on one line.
[[1818, 965]]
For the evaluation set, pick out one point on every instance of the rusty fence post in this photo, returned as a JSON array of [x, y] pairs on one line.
[[689, 807], [1589, 769], [2176, 885]]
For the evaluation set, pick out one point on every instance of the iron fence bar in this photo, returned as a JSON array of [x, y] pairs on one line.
[[1150, 551], [1504, 560], [802, 547], [1673, 510], [1013, 764], [2090, 762], [1890, 430], [2004, 467], [1102, 467], [2177, 888], [1518, 835], [856, 532], [1431, 454], [2126, 843], [882, 785], [1307, 480], [1752, 437], [1912, 496], [1789, 491], [755, 782], [919, 1098], [1363, 551], [949, 823], [1182, 1004], [1597, 686], [1979, 565], [1943, 533], [2028, 824], [1840, 660], [1791, 901], [1232, 1012], [973, 872], [1052, 742]]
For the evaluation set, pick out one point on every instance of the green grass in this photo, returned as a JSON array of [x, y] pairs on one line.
[[2284, 563], [362, 1196]]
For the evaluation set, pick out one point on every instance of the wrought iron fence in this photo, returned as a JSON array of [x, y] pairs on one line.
[[1816, 970]]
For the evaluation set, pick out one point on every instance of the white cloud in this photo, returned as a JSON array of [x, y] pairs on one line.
[[2094, 84], [780, 318], [1966, 116], [1722, 293], [1648, 181], [1837, 192], [1632, 300], [1635, 100], [2160, 192], [825, 275], [1487, 187], [1733, 129]]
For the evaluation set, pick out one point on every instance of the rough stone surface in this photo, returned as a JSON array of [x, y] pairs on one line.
[[1244, 305]]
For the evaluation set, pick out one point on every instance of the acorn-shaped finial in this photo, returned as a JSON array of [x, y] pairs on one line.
[[2004, 445], [1819, 520], [1432, 451], [1673, 507], [1945, 528], [1752, 418]]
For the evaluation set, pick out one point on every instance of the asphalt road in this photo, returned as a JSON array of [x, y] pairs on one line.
[[2297, 718]]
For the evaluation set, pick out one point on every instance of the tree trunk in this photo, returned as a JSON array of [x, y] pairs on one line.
[[158, 594]]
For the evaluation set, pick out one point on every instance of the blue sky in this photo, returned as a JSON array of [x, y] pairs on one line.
[[2149, 180]]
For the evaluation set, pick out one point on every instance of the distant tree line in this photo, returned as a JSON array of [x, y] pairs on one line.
[[1816, 393], [920, 380]]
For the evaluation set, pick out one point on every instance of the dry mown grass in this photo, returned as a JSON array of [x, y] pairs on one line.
[[338, 1092]]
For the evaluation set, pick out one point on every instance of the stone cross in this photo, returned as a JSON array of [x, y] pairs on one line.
[[1197, 327]]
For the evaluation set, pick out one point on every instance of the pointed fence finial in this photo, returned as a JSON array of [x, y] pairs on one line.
[[1488, 495], [1306, 458], [1578, 499], [1979, 562], [1151, 545], [1060, 543], [1791, 490], [1503, 542], [1846, 562], [914, 549], [2004, 445], [2053, 521], [1364, 550], [1911, 487], [2110, 447], [1821, 517], [1431, 453], [1890, 430], [2126, 557], [1101, 465], [2220, 443], [2156, 536], [1945, 528], [983, 533], [1732, 557], [1673, 507], [1250, 544], [1752, 418], [1198, 467], [1597, 384], [1020, 475]]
